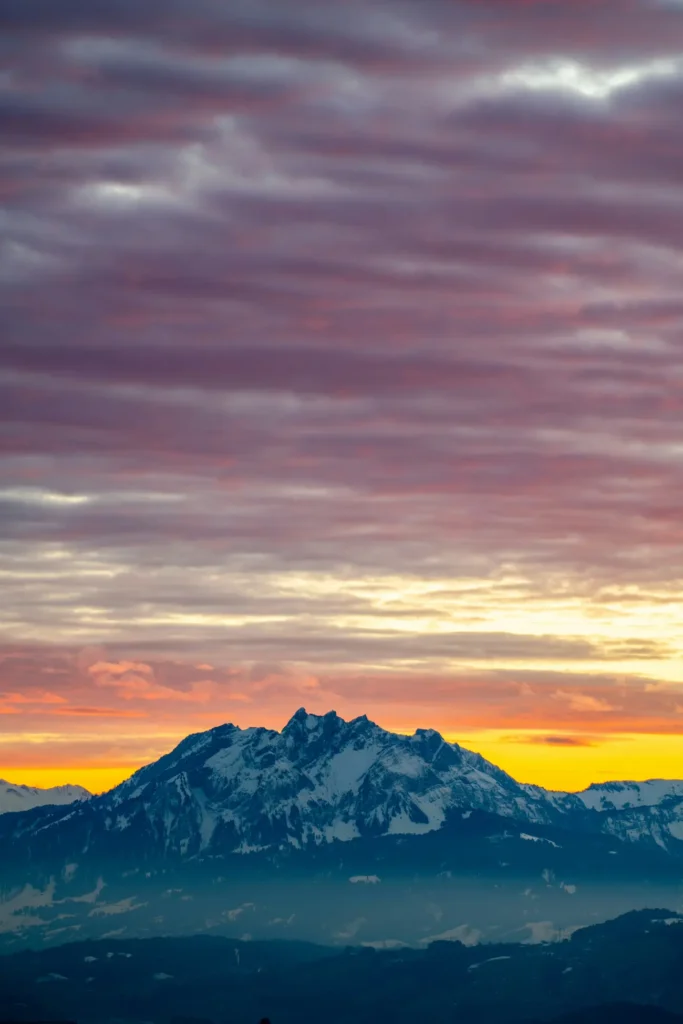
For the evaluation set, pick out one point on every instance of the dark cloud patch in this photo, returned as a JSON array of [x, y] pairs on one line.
[[300, 371], [559, 741]]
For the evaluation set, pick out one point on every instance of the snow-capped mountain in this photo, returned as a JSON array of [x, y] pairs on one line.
[[640, 812], [321, 779], [14, 797], [232, 790], [333, 829], [318, 780], [617, 796]]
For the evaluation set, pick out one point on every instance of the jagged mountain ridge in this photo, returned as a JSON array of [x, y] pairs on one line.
[[331, 830], [322, 779], [15, 797]]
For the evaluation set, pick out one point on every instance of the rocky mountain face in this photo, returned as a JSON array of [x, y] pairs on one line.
[[320, 779], [14, 797], [237, 819]]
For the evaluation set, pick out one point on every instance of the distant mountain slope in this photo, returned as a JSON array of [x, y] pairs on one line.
[[14, 797], [617, 796], [626, 972]]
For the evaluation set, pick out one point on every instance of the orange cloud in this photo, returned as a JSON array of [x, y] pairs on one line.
[[14, 703], [133, 680], [584, 701], [106, 713], [32, 698]]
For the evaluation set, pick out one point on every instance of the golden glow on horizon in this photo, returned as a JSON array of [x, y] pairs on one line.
[[521, 753], [97, 780], [619, 756], [588, 644]]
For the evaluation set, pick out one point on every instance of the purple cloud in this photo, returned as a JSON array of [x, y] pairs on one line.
[[308, 306]]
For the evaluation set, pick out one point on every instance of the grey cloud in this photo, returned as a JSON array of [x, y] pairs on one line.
[[363, 318]]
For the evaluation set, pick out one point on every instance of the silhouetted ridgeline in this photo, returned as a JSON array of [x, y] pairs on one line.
[[634, 959]]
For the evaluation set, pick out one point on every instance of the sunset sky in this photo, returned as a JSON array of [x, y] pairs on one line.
[[342, 366]]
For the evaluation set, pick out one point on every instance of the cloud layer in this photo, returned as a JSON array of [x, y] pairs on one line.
[[341, 349]]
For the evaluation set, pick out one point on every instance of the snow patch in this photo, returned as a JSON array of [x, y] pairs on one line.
[[491, 959], [676, 829], [342, 831], [385, 944], [124, 906], [538, 839], [403, 825], [88, 897], [13, 911]]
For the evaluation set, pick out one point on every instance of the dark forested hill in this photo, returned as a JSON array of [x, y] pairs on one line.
[[636, 959]]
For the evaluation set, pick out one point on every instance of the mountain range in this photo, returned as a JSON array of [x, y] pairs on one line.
[[14, 797], [335, 831]]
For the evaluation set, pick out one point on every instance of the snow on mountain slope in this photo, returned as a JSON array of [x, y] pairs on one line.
[[615, 796], [14, 797], [660, 823], [320, 779], [232, 790]]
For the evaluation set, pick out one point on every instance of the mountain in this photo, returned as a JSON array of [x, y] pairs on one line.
[[649, 811], [320, 779], [331, 830], [14, 797], [615, 796], [626, 971]]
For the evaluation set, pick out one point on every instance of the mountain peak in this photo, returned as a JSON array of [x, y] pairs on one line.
[[309, 721], [303, 723], [320, 779]]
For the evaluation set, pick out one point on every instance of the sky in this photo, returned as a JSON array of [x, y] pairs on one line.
[[342, 367]]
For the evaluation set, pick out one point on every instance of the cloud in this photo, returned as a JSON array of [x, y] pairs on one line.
[[101, 712], [583, 701], [556, 741], [357, 356], [136, 681]]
